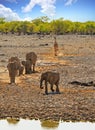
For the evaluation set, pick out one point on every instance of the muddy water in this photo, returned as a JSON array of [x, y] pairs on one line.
[[46, 125]]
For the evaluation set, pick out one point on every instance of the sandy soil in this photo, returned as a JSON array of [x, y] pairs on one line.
[[76, 65]]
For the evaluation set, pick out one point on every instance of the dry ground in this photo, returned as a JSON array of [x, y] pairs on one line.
[[76, 65]]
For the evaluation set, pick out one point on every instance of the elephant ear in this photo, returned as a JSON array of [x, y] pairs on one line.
[[17, 65], [23, 63], [44, 76]]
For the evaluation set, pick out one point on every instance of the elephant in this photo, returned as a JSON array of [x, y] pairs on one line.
[[52, 78], [14, 66], [27, 65], [32, 57]]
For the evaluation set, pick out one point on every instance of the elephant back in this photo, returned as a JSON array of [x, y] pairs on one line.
[[15, 59], [52, 77], [12, 67], [31, 56]]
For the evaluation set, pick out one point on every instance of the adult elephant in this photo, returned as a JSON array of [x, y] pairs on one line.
[[14, 66], [32, 57], [52, 78]]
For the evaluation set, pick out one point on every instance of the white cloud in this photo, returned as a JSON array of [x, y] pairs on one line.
[[8, 14], [27, 19], [69, 2], [47, 6]]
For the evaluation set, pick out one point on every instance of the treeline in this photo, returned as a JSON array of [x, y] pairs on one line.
[[43, 25]]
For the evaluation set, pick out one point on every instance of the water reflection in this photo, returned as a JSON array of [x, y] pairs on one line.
[[13, 120], [49, 124], [38, 125]]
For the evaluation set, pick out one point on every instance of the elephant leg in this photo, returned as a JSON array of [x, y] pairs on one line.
[[27, 70], [46, 90], [33, 67], [52, 88], [21, 70], [30, 70], [12, 79], [57, 88]]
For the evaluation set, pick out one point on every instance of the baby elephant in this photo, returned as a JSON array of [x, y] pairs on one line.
[[13, 67], [52, 78], [27, 65]]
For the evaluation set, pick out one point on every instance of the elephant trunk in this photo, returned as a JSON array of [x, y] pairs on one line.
[[41, 81]]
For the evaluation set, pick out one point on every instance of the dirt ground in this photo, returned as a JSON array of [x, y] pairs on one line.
[[75, 63]]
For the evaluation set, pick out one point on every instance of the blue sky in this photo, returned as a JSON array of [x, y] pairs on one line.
[[74, 10]]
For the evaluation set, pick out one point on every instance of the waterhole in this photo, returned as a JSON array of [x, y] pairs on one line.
[[22, 124]]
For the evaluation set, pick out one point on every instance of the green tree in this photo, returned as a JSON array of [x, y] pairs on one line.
[[90, 27], [12, 26], [6, 27], [57, 26], [2, 20]]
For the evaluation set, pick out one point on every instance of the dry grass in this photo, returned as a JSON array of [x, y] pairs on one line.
[[75, 62]]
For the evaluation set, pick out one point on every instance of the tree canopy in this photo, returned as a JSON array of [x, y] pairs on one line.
[[43, 25]]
